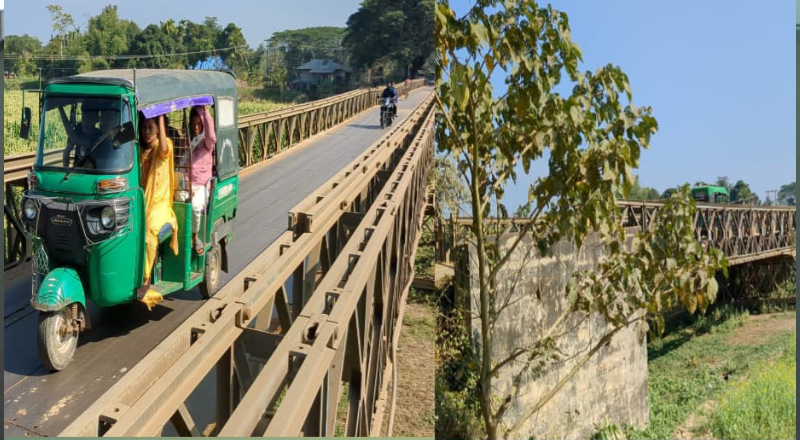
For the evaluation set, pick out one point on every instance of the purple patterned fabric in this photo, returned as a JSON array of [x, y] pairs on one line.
[[177, 104]]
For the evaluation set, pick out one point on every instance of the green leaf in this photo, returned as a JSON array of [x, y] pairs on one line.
[[711, 290]]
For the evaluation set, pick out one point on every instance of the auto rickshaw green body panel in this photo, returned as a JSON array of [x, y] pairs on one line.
[[60, 288], [87, 220]]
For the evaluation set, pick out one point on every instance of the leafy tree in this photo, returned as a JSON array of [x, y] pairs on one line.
[[451, 194], [158, 46], [108, 35], [723, 182], [668, 192], [594, 136], [741, 193], [199, 40], [62, 24], [237, 58], [638, 192], [787, 195], [394, 31], [19, 51], [76, 57], [523, 211]]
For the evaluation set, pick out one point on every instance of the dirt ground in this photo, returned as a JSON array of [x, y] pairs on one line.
[[758, 329], [415, 407]]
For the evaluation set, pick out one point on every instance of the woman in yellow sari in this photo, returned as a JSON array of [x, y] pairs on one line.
[[157, 182]]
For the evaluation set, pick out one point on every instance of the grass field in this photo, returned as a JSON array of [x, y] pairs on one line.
[[763, 405], [12, 113], [710, 374]]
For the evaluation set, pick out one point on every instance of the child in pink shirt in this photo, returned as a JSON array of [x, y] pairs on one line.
[[203, 138]]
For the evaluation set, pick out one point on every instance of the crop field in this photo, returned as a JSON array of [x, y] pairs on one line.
[[12, 113]]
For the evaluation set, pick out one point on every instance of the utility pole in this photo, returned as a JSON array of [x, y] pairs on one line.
[[774, 199]]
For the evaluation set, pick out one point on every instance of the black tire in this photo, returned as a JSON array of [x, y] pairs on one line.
[[383, 120], [56, 350], [212, 272]]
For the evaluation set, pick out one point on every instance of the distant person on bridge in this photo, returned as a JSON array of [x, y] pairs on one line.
[[407, 87], [157, 182], [203, 137], [391, 92]]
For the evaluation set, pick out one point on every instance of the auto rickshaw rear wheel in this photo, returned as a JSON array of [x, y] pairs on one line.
[[57, 339], [213, 269]]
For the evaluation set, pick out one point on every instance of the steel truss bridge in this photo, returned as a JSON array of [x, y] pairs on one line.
[[301, 338], [743, 233]]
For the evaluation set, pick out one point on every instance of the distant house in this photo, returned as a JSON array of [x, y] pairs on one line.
[[319, 71]]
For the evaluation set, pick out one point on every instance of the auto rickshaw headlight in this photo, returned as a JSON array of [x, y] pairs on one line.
[[108, 217], [29, 208]]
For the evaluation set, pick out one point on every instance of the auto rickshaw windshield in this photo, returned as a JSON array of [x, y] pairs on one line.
[[82, 129]]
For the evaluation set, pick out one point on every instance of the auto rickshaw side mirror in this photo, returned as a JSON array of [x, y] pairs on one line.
[[25, 124], [125, 134]]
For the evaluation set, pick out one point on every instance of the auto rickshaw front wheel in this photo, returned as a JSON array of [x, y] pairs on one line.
[[213, 269], [57, 339]]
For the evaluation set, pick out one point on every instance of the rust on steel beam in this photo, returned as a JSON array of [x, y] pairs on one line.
[[143, 401]]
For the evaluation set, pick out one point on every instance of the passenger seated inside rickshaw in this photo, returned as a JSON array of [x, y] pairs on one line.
[[157, 182]]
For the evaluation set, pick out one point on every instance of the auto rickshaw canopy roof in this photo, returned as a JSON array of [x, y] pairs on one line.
[[159, 86]]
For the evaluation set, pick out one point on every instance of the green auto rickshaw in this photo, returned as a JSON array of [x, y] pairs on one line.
[[84, 207]]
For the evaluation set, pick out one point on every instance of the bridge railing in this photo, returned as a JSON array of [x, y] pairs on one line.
[[264, 135], [316, 313]]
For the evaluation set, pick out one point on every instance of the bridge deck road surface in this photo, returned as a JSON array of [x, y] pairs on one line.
[[38, 402]]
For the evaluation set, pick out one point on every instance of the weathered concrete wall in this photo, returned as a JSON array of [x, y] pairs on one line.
[[613, 384]]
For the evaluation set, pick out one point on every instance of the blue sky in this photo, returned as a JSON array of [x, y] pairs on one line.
[[259, 19], [720, 76]]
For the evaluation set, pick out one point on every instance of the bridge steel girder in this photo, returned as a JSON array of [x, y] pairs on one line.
[[742, 233], [347, 257]]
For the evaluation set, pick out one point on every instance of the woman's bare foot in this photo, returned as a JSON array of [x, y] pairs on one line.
[[142, 291]]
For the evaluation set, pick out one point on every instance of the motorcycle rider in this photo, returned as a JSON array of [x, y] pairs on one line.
[[391, 92]]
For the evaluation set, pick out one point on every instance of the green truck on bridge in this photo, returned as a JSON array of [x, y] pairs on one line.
[[711, 194]]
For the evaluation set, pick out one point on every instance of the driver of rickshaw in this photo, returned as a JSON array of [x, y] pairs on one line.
[[157, 182], [84, 136], [103, 156]]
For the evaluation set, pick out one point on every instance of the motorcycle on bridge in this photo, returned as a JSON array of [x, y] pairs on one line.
[[85, 207], [387, 111]]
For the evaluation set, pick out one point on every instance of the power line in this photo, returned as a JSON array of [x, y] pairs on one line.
[[113, 57]]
